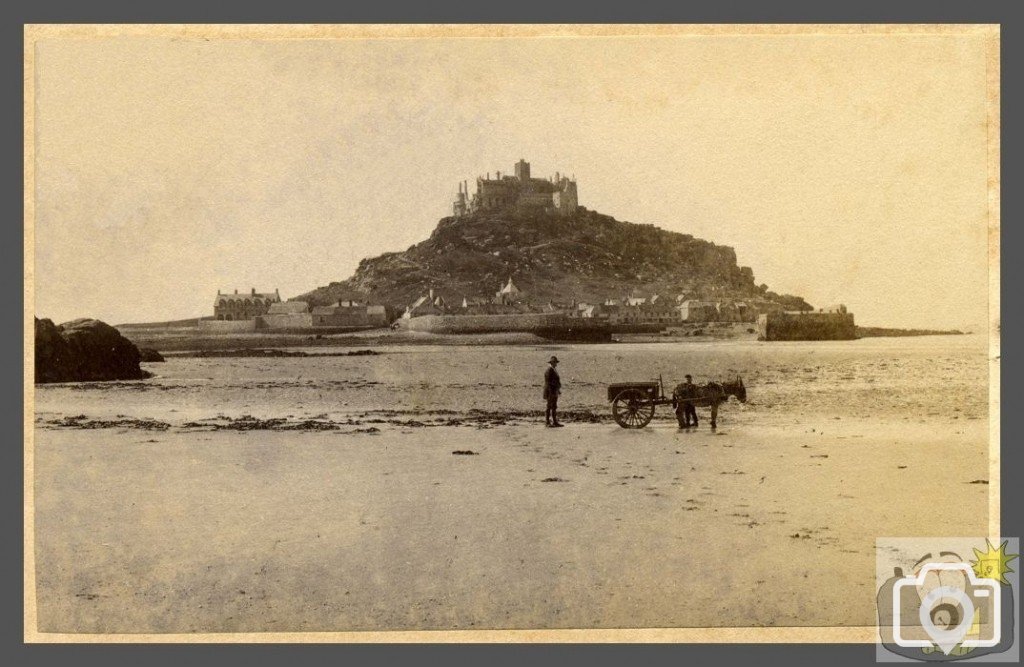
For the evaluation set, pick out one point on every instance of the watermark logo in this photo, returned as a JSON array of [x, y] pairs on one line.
[[935, 606]]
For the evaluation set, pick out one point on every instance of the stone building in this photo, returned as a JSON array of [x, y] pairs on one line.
[[288, 315], [349, 314], [692, 310], [508, 294], [428, 304], [518, 192], [243, 306], [658, 310]]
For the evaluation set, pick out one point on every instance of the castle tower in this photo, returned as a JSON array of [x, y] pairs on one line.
[[523, 170], [565, 199], [460, 207]]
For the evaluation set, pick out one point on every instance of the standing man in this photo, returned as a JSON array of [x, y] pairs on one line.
[[685, 410], [552, 388]]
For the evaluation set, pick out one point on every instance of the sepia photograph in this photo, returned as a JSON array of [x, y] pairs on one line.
[[473, 333]]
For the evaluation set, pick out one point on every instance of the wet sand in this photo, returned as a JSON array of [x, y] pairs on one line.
[[298, 494]]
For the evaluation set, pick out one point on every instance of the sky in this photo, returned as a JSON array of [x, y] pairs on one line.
[[846, 168]]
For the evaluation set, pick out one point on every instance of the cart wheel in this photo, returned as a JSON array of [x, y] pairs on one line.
[[632, 408]]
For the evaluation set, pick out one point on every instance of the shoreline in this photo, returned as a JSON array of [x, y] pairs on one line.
[[189, 342]]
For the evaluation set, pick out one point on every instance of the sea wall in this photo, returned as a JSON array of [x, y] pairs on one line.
[[553, 326], [286, 321], [292, 323], [806, 326], [464, 324], [227, 326], [360, 318]]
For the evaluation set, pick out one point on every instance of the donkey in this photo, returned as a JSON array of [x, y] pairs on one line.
[[710, 395]]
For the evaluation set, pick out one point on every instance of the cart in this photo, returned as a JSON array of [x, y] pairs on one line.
[[633, 403]]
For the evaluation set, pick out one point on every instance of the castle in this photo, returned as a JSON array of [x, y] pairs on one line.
[[555, 195]]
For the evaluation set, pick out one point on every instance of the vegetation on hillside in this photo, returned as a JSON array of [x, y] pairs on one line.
[[585, 257]]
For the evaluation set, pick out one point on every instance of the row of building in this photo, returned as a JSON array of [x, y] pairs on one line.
[[261, 311], [660, 310], [625, 311], [255, 310]]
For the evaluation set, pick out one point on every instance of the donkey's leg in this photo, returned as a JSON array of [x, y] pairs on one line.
[[714, 414]]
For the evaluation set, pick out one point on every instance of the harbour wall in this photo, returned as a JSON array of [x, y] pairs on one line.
[[806, 326], [548, 325]]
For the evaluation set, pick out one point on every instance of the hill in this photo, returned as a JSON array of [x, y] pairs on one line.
[[584, 257]]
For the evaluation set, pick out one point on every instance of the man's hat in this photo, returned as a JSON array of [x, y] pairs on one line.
[[553, 360], [689, 377]]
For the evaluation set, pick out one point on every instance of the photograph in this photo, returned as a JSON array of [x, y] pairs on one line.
[[492, 333]]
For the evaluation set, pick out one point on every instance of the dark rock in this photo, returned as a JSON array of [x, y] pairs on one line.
[[149, 354], [84, 350], [585, 256]]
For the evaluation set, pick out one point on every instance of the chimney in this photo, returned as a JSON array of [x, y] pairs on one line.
[[236, 291], [253, 291], [277, 292], [557, 179], [218, 292], [431, 293]]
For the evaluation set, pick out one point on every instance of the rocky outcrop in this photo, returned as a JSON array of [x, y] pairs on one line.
[[150, 355], [585, 256], [84, 350]]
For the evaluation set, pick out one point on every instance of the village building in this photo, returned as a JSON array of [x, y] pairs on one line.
[[288, 308], [508, 294], [659, 311], [692, 310], [603, 312], [475, 302], [728, 312], [580, 308], [518, 192], [758, 307], [349, 314], [243, 306], [288, 315], [428, 304]]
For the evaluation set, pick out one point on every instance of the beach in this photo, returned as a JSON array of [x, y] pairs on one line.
[[418, 488]]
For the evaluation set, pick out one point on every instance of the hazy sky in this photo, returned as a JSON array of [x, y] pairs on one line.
[[844, 168]]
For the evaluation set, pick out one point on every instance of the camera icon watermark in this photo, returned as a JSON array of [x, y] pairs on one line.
[[963, 614], [935, 605]]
